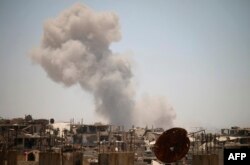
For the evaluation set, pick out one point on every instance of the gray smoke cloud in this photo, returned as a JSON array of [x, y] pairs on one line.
[[155, 111], [75, 49]]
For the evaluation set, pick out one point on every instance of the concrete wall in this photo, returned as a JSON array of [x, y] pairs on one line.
[[27, 163], [49, 158], [2, 158], [45, 158], [12, 158], [21, 157], [212, 159], [116, 158], [93, 163], [75, 158]]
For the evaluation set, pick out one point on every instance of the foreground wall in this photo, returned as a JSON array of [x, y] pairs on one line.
[[209, 159], [49, 158], [120, 158]]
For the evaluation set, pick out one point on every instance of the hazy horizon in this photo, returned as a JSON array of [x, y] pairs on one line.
[[193, 54]]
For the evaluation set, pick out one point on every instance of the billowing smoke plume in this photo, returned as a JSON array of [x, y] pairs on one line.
[[155, 111], [75, 50]]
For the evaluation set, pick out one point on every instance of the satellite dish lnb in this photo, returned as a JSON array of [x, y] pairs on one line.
[[172, 145], [52, 121]]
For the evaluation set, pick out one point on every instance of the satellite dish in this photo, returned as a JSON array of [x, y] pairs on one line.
[[172, 145]]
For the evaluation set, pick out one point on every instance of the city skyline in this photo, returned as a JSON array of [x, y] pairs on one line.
[[193, 54]]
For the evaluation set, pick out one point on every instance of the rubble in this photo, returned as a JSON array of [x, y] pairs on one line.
[[26, 139]]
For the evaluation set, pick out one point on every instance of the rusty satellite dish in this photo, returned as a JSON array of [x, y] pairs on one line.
[[172, 145]]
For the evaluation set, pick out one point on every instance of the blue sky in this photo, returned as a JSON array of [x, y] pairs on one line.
[[195, 53]]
